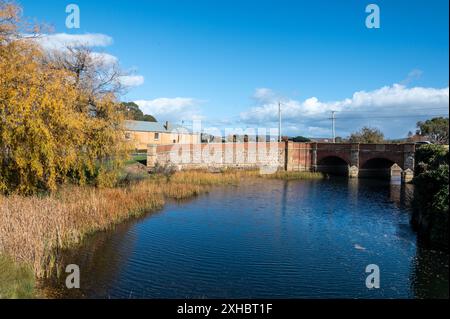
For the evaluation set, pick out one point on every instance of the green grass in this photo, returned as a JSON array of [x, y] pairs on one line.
[[136, 158], [16, 281], [283, 175]]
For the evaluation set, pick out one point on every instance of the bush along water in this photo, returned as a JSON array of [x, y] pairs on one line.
[[430, 204]]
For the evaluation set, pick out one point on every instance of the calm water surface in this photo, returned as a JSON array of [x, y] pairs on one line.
[[265, 239]]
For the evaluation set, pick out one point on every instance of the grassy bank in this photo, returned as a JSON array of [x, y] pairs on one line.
[[294, 175], [16, 280], [34, 229]]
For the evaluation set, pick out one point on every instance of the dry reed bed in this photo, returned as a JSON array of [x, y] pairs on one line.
[[34, 229], [283, 175]]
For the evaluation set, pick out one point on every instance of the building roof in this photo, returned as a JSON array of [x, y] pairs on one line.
[[172, 127], [141, 126]]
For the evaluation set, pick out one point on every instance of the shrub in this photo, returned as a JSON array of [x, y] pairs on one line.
[[430, 157], [430, 204], [166, 170]]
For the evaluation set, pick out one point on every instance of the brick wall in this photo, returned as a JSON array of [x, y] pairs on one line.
[[220, 155]]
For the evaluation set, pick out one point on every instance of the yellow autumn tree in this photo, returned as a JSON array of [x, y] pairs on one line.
[[55, 127]]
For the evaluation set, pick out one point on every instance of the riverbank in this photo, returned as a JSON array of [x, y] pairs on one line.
[[430, 204], [34, 229]]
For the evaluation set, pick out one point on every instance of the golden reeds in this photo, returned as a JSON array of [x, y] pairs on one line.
[[34, 229], [284, 175]]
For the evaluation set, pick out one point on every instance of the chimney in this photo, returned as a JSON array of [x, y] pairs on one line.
[[167, 125]]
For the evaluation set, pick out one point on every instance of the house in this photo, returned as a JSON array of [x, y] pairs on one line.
[[144, 133]]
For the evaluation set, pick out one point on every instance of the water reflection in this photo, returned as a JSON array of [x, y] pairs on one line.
[[401, 194], [265, 239], [353, 190], [100, 259]]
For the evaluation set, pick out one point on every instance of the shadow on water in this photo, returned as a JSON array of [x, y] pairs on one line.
[[264, 239], [430, 274], [100, 258]]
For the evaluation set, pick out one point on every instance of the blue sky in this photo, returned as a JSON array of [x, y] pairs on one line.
[[229, 62]]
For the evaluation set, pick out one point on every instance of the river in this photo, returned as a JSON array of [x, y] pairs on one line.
[[264, 239]]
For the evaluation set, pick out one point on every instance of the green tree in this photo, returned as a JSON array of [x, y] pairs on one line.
[[430, 157], [148, 118], [367, 135], [435, 129], [131, 111], [301, 139]]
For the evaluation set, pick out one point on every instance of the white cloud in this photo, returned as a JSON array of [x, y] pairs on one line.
[[400, 106], [60, 41], [263, 94], [104, 58], [172, 109], [412, 76], [132, 80]]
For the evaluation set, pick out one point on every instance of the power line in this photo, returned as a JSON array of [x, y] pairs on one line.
[[376, 116], [389, 116]]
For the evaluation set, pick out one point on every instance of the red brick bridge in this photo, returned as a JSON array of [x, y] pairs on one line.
[[353, 160], [364, 160]]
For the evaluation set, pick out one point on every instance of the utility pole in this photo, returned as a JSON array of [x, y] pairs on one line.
[[279, 122], [333, 120]]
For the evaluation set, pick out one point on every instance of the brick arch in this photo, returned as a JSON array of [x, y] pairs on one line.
[[378, 162], [363, 161], [322, 156], [333, 165]]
